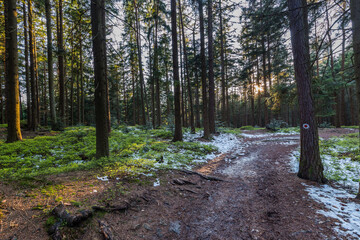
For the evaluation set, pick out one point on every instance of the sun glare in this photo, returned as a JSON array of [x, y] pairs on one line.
[[257, 88]]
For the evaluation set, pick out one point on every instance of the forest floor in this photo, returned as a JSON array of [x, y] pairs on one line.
[[253, 195]]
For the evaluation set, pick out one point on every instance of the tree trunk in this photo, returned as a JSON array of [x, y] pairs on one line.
[[252, 104], [266, 111], [61, 52], [101, 98], [203, 72], [223, 81], [178, 129], [342, 105], [310, 163], [27, 80], [182, 91], [168, 97], [192, 125], [197, 85], [258, 92], [82, 105], [34, 99], [11, 69], [336, 95], [156, 67], [269, 72], [72, 79], [355, 18], [50, 65], [138, 42], [44, 97], [211, 69], [152, 87]]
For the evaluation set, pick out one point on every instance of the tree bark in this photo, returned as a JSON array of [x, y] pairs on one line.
[[12, 77], [187, 73], [355, 18], [178, 128], [223, 81], [310, 163], [138, 42], [342, 106], [61, 52], [197, 85], [101, 98], [336, 119], [258, 92], [50, 64], [211, 69], [156, 67], [27, 80], [34, 98], [203, 72]]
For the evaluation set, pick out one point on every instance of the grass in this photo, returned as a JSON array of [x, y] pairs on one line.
[[132, 151]]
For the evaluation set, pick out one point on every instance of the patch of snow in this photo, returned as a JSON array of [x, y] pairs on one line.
[[267, 134], [104, 178], [294, 161], [157, 183], [346, 212], [337, 202], [224, 142], [344, 170], [238, 168]]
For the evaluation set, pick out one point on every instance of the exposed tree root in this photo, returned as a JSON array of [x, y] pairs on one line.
[[105, 230], [71, 220], [121, 207], [207, 177]]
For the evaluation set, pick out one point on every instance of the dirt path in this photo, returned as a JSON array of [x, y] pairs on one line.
[[260, 198]]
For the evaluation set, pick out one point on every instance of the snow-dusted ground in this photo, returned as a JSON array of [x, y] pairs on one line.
[[339, 206], [345, 171], [337, 201], [224, 142]]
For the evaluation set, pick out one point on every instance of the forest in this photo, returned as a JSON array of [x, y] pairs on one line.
[[142, 119]]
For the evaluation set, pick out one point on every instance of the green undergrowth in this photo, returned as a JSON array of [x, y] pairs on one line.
[[132, 151], [356, 127], [289, 130], [250, 128], [341, 159], [346, 146], [236, 131]]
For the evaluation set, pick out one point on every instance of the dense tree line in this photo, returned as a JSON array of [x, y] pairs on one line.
[[195, 64]]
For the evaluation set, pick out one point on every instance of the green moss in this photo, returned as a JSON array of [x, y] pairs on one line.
[[132, 151], [50, 221]]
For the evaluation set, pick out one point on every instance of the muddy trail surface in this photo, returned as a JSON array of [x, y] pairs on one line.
[[253, 195]]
